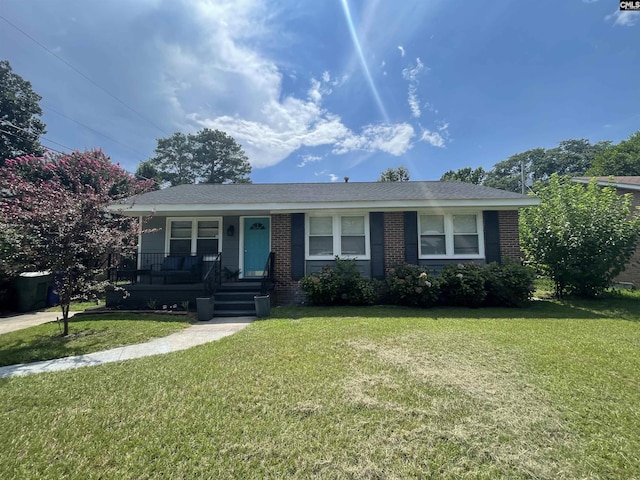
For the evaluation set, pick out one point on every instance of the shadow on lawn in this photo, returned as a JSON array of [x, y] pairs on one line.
[[620, 308]]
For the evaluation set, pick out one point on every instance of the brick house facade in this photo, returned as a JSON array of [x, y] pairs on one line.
[[305, 226]]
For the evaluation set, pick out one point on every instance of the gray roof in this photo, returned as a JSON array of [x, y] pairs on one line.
[[324, 195]]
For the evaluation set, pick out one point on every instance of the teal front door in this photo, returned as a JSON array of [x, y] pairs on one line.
[[256, 246]]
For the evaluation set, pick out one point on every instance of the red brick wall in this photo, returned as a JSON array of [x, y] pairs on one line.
[[393, 239], [509, 236], [286, 290]]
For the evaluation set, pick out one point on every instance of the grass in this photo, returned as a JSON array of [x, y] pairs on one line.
[[78, 306], [87, 333], [356, 393]]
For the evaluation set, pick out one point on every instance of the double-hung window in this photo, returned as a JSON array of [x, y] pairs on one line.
[[337, 235], [199, 236], [450, 235]]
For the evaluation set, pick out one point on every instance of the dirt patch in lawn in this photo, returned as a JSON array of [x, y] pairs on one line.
[[468, 393]]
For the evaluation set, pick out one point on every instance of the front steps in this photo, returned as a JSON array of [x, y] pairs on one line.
[[236, 299]]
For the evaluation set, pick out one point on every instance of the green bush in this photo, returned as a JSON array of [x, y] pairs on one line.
[[508, 285], [463, 285], [412, 286], [339, 284]]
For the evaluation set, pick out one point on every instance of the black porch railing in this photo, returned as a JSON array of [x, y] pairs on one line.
[[164, 268], [268, 277]]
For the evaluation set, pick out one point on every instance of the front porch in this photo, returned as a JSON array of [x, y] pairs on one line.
[[164, 281]]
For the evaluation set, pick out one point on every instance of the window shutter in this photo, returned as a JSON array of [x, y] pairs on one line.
[[491, 236], [376, 235], [411, 237], [297, 246]]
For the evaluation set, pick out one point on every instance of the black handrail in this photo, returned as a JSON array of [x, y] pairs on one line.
[[213, 278], [268, 275]]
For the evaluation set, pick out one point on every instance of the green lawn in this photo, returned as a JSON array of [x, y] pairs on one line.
[[78, 306], [87, 333], [546, 392]]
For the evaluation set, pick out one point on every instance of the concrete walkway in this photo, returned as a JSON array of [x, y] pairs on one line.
[[197, 334], [26, 320]]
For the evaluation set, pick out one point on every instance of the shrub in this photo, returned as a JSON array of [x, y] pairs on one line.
[[340, 284], [463, 285], [509, 284], [411, 285]]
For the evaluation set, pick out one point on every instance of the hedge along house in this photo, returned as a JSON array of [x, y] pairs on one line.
[[623, 185], [286, 231]]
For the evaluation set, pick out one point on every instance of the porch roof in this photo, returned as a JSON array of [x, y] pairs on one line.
[[297, 197]]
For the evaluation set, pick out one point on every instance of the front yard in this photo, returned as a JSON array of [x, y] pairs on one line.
[[381, 392], [87, 333]]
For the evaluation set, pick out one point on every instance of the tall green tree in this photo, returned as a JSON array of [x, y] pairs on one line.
[[581, 236], [571, 157], [208, 156], [621, 159], [466, 174], [507, 175], [20, 125], [399, 174]]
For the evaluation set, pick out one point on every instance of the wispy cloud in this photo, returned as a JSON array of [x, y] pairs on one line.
[[627, 18], [393, 139], [434, 138], [402, 52], [307, 159], [411, 74]]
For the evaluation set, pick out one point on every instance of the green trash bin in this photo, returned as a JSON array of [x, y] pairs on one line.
[[32, 288]]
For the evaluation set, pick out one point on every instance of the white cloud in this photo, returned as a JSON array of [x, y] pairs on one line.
[[307, 159], [402, 52], [411, 74], [333, 177], [626, 18], [434, 138], [393, 139], [414, 102]]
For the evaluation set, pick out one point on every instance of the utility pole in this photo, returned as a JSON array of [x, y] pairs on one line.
[[522, 177]]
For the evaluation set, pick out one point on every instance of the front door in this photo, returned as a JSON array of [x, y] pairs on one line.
[[256, 246]]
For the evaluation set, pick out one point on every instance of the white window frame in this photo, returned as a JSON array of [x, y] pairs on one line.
[[337, 235], [448, 234], [194, 231]]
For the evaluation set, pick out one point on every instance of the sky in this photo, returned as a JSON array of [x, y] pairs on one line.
[[316, 91]]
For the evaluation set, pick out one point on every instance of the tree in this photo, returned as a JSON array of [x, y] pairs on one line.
[[580, 236], [400, 174], [148, 171], [57, 206], [20, 127], [208, 156], [507, 175], [219, 158], [466, 174], [570, 157], [621, 159]]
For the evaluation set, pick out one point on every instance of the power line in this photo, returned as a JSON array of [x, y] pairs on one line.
[[48, 148], [82, 74], [47, 107], [6, 122]]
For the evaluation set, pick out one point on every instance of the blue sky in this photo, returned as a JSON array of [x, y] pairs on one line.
[[315, 91]]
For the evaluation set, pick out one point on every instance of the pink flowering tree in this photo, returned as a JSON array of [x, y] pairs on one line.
[[55, 209]]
